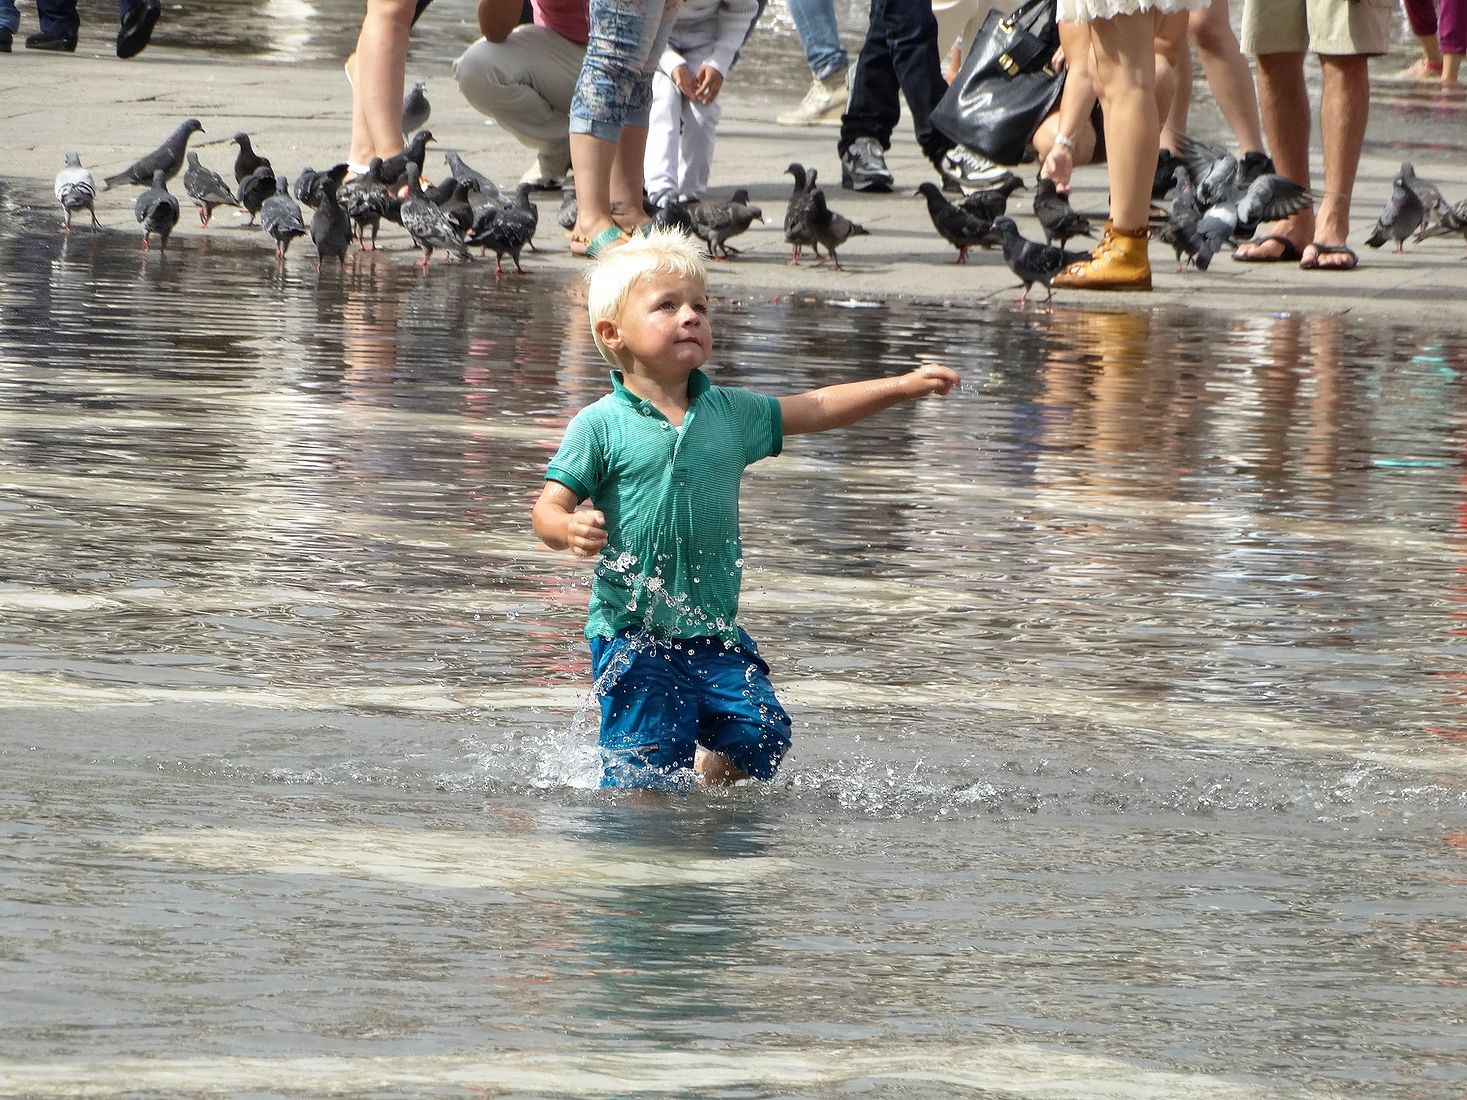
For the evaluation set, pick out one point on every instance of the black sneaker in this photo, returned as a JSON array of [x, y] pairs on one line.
[[6, 37], [62, 43], [136, 28], [863, 167], [1167, 164], [1254, 165]]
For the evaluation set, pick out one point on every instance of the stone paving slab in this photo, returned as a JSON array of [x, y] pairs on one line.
[[112, 111]]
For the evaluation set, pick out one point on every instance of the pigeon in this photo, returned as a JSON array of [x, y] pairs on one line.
[[247, 162], [1453, 220], [506, 229], [1268, 198], [488, 190], [1211, 168], [1180, 228], [281, 217], [394, 169], [330, 225], [167, 158], [829, 228], [428, 226], [368, 202], [156, 211], [716, 222], [416, 108], [1031, 261], [75, 190], [673, 213], [1055, 214], [207, 188], [565, 217], [797, 212], [991, 203], [308, 187], [958, 226], [452, 197], [1430, 195], [258, 186], [1402, 216]]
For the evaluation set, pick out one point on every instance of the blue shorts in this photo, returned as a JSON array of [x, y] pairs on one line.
[[661, 698]]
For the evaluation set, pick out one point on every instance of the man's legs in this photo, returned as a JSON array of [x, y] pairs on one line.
[[873, 111], [1343, 110], [911, 42], [819, 33], [1283, 100]]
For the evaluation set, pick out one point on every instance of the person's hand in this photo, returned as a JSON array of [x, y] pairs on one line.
[[1058, 166], [586, 532], [710, 80], [1057, 61], [682, 79], [931, 378]]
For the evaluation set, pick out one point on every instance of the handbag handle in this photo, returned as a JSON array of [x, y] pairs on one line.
[[1026, 46]]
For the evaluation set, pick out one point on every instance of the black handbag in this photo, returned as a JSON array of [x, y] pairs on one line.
[[1006, 85]]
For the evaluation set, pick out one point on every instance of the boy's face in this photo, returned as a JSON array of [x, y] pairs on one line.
[[663, 328]]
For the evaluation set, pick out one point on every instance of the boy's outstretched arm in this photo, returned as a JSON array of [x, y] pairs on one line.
[[836, 406], [560, 525]]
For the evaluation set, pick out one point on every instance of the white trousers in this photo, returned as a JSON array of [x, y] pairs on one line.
[[525, 84], [680, 135]]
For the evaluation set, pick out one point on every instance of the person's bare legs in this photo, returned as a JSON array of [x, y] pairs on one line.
[[381, 61], [1284, 100], [1173, 64], [627, 178], [593, 160], [1228, 75], [1451, 67], [1344, 107], [1125, 67], [1174, 125]]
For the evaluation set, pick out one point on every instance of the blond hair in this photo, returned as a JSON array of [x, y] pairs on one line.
[[662, 251]]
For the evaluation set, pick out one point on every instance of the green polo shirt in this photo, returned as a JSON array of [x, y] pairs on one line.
[[673, 560]]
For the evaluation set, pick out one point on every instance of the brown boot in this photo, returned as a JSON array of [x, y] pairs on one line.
[[1118, 262]]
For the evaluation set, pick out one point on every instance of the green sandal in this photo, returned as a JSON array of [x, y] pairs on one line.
[[613, 236]]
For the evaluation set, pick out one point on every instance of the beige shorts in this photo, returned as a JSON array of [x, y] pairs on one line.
[[1317, 26]]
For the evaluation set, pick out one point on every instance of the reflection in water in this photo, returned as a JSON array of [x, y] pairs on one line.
[[1126, 687]]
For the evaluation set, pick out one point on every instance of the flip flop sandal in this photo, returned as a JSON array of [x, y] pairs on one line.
[[610, 237], [1290, 254], [1331, 250]]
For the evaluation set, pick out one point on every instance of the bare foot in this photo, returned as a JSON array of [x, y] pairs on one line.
[[1298, 231]]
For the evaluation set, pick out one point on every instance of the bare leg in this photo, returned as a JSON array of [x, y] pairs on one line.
[[594, 161], [626, 178], [1228, 74], [381, 60], [1451, 66], [1284, 99], [1175, 124], [1173, 62], [1344, 107], [1125, 67]]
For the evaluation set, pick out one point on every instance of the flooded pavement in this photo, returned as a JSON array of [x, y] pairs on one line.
[[1127, 686]]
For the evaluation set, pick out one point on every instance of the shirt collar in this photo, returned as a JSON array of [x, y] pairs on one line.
[[698, 385]]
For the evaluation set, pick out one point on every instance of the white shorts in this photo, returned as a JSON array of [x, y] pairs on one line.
[[1083, 11]]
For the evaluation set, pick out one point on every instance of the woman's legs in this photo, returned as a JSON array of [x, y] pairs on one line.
[[1421, 15], [1228, 74], [1452, 33], [1125, 67], [381, 60]]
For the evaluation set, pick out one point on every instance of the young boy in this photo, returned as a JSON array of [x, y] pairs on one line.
[[701, 50], [662, 456]]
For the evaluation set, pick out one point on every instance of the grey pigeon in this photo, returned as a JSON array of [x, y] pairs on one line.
[[75, 190], [1180, 228], [167, 158], [246, 162], [394, 168], [156, 211], [307, 188], [1453, 220], [487, 191], [506, 229], [830, 229], [992, 203], [280, 216], [428, 226], [1430, 195], [797, 212], [416, 108], [1211, 168], [452, 197], [673, 213], [368, 201], [1402, 216], [958, 226], [716, 222], [207, 188], [330, 225], [257, 187], [1031, 261], [1267, 199], [565, 217], [1056, 215]]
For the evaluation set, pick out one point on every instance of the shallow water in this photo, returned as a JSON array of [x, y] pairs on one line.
[[1126, 682]]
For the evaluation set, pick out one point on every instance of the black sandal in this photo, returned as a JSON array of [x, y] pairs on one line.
[[1330, 250]]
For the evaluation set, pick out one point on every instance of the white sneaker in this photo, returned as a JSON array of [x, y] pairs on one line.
[[823, 104], [966, 170]]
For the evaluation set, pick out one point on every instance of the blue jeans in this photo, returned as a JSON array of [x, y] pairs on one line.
[[9, 17], [819, 34], [60, 17], [626, 41]]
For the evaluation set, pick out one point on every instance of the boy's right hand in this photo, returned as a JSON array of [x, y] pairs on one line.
[[585, 532], [932, 378]]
